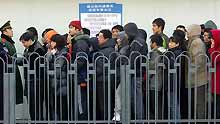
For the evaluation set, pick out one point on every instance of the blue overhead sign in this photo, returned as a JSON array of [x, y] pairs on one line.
[[97, 16]]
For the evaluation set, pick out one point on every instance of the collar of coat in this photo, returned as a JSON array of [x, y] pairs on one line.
[[160, 49], [62, 51], [80, 36], [6, 38]]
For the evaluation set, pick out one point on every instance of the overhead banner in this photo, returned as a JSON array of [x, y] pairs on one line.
[[98, 16]]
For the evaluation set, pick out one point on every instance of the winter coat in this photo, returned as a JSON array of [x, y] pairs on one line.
[[156, 84], [215, 58], [106, 50], [172, 55], [93, 48], [196, 51], [3, 60], [58, 83], [136, 48], [9, 44], [80, 43], [32, 54]]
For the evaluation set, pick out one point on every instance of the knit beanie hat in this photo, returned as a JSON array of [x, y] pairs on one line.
[[50, 34], [76, 24]]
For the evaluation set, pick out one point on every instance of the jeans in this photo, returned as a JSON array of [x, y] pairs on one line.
[[137, 106], [118, 100]]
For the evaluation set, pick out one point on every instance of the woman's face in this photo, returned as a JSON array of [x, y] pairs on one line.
[[52, 44], [68, 43], [172, 44], [118, 42]]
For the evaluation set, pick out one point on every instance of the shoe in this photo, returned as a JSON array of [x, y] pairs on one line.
[[116, 117]]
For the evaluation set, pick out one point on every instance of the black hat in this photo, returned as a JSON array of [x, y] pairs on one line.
[[6, 26], [60, 40]]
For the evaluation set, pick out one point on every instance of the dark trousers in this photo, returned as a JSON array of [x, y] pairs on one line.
[[218, 107], [35, 102], [102, 101], [155, 107], [184, 102], [198, 103], [1, 103], [62, 108]]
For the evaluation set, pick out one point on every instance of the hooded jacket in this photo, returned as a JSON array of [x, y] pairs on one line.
[[215, 58], [137, 46], [196, 51]]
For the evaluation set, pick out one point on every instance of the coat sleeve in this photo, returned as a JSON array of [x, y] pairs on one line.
[[198, 49], [61, 71], [82, 47]]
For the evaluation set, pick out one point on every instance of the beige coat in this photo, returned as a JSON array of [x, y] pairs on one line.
[[196, 76]]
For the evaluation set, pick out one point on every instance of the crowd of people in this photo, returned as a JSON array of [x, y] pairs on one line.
[[197, 42]]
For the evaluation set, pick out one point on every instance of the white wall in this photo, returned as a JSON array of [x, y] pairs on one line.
[[39, 13], [57, 13]]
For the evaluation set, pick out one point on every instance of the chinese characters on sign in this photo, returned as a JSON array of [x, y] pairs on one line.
[[97, 16]]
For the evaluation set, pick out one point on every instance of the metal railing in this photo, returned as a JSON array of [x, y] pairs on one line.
[[93, 90]]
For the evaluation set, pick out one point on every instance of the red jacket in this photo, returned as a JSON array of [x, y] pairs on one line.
[[215, 58]]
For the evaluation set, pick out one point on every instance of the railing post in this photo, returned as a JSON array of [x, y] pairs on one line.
[[6, 92], [125, 94], [9, 96]]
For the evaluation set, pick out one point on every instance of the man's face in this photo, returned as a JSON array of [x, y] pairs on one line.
[[26, 44], [44, 40], [156, 29], [115, 33], [73, 31], [8, 32], [207, 38], [101, 39]]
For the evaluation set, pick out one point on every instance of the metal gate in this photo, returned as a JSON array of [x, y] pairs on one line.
[[94, 90]]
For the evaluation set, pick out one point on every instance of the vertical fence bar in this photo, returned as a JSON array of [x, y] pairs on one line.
[[6, 115], [123, 95]]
